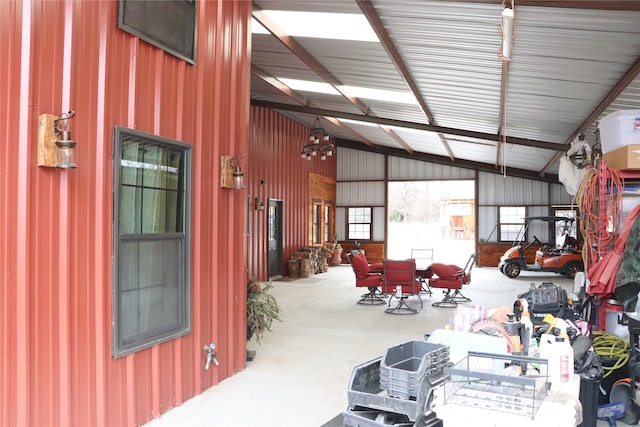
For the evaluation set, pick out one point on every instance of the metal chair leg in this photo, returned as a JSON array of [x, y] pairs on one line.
[[373, 297], [447, 301]]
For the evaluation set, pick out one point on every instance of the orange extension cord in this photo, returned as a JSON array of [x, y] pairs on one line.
[[599, 200]]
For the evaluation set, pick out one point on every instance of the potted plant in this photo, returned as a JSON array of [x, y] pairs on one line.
[[336, 257], [262, 309]]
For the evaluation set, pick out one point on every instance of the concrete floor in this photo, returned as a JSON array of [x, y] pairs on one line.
[[300, 374]]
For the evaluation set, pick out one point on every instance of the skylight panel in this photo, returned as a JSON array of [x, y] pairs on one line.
[[309, 86], [380, 94], [357, 122], [336, 26]]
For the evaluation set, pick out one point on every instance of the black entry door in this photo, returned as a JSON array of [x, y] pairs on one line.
[[275, 241]]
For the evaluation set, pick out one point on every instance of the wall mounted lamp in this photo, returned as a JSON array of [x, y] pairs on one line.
[[231, 175], [316, 147], [55, 146], [507, 31]]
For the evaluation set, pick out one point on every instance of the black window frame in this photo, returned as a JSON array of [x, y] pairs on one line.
[[148, 20], [180, 238]]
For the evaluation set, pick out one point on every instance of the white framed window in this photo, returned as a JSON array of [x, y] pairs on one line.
[[511, 219], [359, 223]]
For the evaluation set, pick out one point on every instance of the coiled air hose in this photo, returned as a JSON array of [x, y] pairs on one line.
[[610, 346]]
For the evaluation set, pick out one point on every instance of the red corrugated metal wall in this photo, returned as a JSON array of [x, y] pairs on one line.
[[56, 367], [275, 143]]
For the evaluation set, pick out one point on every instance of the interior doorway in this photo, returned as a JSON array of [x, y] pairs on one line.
[[275, 263], [438, 215]]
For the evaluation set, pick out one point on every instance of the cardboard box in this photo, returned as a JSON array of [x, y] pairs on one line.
[[624, 158]]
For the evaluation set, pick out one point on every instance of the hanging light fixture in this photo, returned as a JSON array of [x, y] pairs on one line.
[[318, 138], [507, 31]]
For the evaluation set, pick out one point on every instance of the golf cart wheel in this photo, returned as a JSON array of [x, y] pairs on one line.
[[572, 268], [511, 270]]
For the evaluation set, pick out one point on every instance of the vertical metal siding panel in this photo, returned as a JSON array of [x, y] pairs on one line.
[[275, 144], [49, 293], [559, 195], [99, 250], [13, 348], [380, 221], [70, 382], [10, 34]]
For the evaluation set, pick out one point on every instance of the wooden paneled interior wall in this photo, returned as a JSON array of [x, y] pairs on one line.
[[373, 251], [322, 192], [489, 254]]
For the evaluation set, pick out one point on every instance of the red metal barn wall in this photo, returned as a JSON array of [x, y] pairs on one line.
[[275, 143], [56, 367]]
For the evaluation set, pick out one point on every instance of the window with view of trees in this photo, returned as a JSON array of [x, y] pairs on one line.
[[151, 243]]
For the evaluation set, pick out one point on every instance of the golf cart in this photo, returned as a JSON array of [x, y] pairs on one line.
[[565, 257]]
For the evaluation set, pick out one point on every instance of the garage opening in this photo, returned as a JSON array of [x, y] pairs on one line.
[[438, 215]]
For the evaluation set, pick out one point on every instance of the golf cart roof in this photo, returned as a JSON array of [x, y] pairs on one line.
[[548, 218]]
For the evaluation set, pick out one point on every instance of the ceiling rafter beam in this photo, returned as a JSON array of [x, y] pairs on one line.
[[443, 160], [410, 125], [269, 79], [305, 56], [372, 16], [399, 140], [347, 129], [617, 89]]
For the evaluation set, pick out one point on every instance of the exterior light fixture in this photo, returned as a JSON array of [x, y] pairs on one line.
[[315, 147], [231, 175], [55, 146], [66, 154], [507, 31]]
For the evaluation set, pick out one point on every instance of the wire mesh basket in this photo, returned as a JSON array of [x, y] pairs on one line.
[[507, 383]]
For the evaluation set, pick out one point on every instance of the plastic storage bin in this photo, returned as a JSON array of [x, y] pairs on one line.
[[404, 367], [365, 392], [619, 129]]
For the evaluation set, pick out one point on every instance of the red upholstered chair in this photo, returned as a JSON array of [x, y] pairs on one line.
[[466, 279], [400, 282], [366, 278], [449, 278]]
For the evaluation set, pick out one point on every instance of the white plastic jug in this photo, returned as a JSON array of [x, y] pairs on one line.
[[559, 353]]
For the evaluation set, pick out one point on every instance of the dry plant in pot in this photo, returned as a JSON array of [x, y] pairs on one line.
[[262, 309]]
